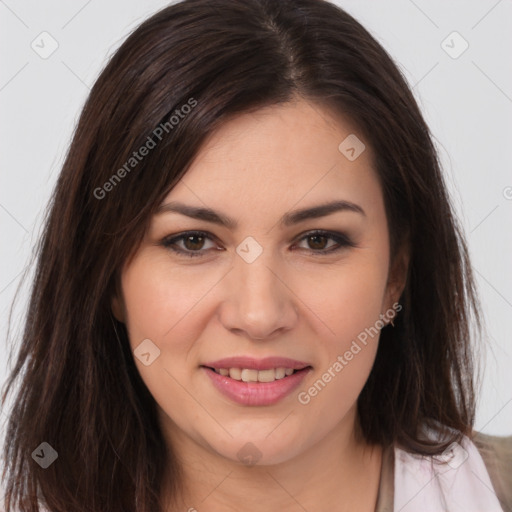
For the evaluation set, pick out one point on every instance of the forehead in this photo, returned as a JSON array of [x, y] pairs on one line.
[[279, 156]]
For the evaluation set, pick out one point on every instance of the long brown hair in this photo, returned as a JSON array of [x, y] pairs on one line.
[[79, 388]]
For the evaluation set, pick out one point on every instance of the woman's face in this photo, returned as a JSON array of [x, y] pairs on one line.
[[256, 285]]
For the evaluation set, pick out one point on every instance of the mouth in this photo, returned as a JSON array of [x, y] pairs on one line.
[[253, 382]]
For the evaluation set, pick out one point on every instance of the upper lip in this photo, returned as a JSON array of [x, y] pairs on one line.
[[256, 364]]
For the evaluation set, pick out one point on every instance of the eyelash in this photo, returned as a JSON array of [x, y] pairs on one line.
[[341, 239]]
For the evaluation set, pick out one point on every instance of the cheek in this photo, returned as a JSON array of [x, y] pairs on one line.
[[347, 356], [163, 305], [349, 298], [160, 299], [350, 306]]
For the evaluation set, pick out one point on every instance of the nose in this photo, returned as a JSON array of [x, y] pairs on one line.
[[258, 301]]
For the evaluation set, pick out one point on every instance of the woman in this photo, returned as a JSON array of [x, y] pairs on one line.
[[251, 291]]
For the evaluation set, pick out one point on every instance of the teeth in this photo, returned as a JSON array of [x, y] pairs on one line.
[[249, 375], [280, 373], [266, 375], [235, 373]]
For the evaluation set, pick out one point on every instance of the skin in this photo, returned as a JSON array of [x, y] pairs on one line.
[[288, 302]]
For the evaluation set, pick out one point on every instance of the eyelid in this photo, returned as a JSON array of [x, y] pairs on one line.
[[169, 240], [342, 240]]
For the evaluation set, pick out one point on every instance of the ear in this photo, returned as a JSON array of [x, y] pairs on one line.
[[397, 277], [117, 303], [117, 307]]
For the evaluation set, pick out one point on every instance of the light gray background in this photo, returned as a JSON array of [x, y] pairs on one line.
[[467, 102]]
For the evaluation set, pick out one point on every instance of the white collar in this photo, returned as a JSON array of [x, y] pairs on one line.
[[455, 481]]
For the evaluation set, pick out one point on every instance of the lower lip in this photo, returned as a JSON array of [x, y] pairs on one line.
[[256, 393]]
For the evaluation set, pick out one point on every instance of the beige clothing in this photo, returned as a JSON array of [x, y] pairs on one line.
[[496, 453]]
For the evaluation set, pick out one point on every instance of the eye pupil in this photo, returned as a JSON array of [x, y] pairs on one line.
[[194, 246], [316, 238]]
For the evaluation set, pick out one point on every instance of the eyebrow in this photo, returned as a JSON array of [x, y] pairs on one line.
[[288, 219]]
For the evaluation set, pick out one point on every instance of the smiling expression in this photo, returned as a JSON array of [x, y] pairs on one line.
[[273, 245]]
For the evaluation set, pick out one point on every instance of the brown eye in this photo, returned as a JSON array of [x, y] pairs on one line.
[[189, 244], [193, 242], [318, 242]]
